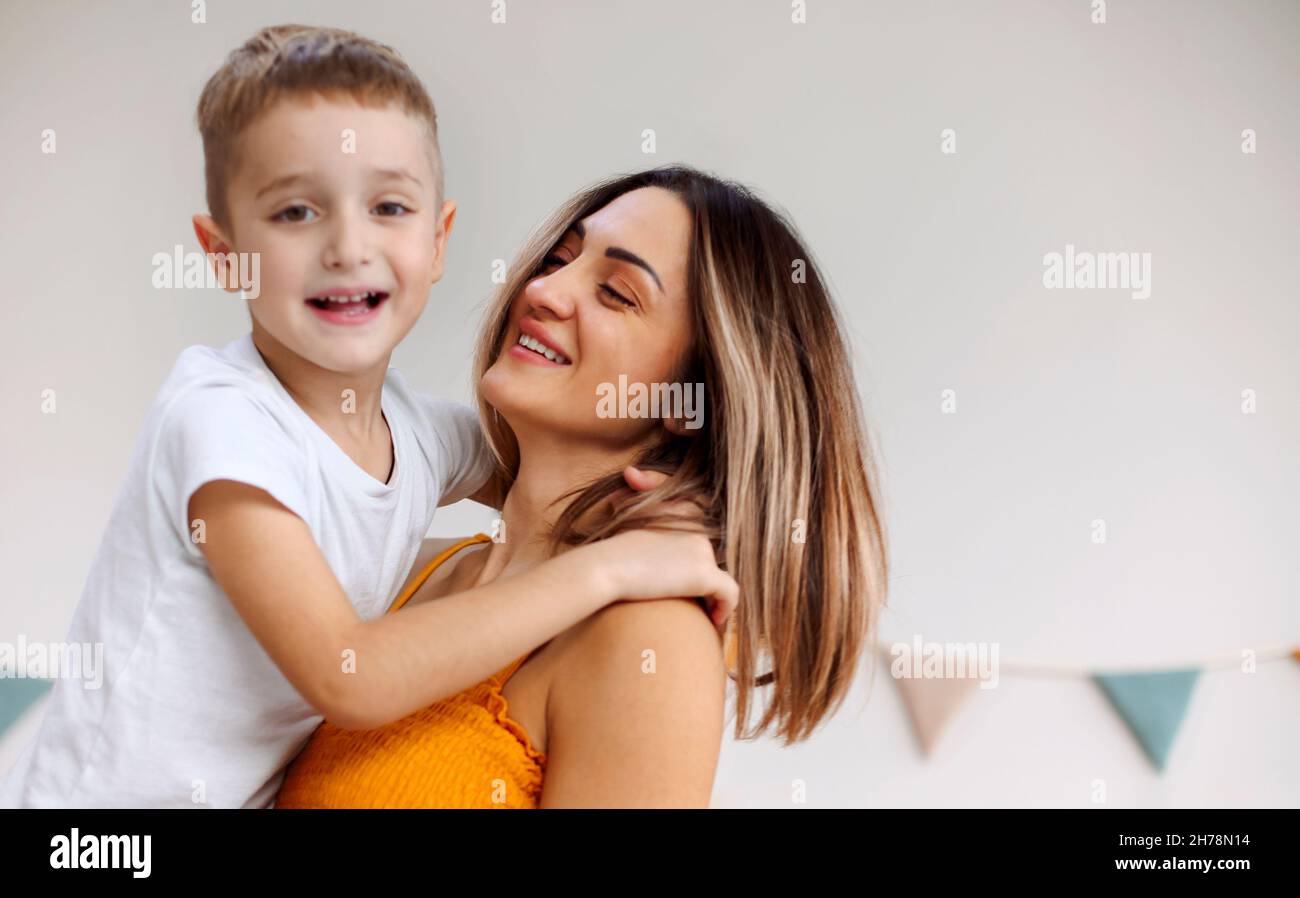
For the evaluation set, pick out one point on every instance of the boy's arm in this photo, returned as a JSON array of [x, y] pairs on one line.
[[363, 674]]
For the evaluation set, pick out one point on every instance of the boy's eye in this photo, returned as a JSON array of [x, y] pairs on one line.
[[295, 213], [392, 209]]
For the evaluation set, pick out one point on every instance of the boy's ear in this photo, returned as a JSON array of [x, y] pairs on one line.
[[217, 248], [445, 220]]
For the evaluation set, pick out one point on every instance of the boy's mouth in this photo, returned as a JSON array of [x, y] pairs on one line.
[[353, 307]]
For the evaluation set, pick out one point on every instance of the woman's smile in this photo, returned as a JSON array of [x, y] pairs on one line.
[[534, 344], [530, 350]]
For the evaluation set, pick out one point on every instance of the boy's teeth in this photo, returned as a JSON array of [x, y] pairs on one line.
[[351, 304]]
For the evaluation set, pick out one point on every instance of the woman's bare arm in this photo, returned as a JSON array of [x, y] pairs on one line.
[[636, 710]]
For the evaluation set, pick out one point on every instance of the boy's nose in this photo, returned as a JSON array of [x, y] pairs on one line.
[[346, 246]]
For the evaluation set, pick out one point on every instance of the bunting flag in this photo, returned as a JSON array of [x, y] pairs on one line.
[[1152, 704], [931, 702], [17, 694]]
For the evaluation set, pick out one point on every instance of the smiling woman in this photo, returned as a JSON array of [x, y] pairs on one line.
[[673, 275], [665, 276]]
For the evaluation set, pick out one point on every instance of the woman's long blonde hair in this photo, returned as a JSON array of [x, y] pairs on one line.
[[783, 467]]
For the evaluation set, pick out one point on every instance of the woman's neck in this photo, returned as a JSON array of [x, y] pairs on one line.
[[546, 473]]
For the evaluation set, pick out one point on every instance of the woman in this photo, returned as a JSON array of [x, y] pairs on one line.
[[668, 276]]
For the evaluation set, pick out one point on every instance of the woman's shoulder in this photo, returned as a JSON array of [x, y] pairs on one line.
[[637, 708], [615, 648], [683, 621]]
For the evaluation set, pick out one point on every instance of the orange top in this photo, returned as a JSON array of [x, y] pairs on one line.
[[461, 752]]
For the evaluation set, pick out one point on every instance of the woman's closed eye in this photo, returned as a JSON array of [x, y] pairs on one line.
[[606, 289], [614, 294]]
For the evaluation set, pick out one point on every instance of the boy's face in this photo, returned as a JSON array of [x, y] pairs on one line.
[[339, 200]]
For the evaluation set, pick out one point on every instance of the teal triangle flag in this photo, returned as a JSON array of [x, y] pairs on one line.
[[16, 695], [1152, 704]]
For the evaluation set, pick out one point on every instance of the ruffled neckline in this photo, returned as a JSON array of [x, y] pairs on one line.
[[499, 707]]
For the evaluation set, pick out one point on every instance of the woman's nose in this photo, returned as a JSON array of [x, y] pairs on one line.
[[553, 292]]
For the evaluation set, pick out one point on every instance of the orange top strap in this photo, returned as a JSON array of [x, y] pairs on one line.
[[432, 566], [500, 677]]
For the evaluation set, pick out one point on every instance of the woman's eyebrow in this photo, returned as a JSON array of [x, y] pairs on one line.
[[617, 252]]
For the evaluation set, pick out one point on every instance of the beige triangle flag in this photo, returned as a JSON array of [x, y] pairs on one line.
[[931, 702]]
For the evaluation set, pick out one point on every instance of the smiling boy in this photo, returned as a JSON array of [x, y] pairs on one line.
[[293, 459]]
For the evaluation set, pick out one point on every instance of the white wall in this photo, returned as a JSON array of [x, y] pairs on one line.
[[1073, 405]]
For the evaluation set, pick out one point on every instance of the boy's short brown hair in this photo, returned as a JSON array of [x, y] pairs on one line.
[[295, 60]]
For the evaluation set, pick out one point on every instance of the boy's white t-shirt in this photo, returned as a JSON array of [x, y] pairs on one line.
[[191, 711]]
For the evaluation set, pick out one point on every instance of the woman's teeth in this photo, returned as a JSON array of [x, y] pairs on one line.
[[536, 346]]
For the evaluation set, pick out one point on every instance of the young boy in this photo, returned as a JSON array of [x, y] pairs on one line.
[[304, 409], [282, 485]]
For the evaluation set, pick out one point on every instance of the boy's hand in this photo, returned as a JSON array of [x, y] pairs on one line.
[[644, 481], [653, 563], [719, 610]]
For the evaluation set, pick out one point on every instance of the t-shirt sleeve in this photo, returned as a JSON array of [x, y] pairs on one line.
[[466, 459], [222, 432]]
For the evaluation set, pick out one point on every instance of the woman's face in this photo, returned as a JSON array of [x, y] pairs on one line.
[[610, 301]]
